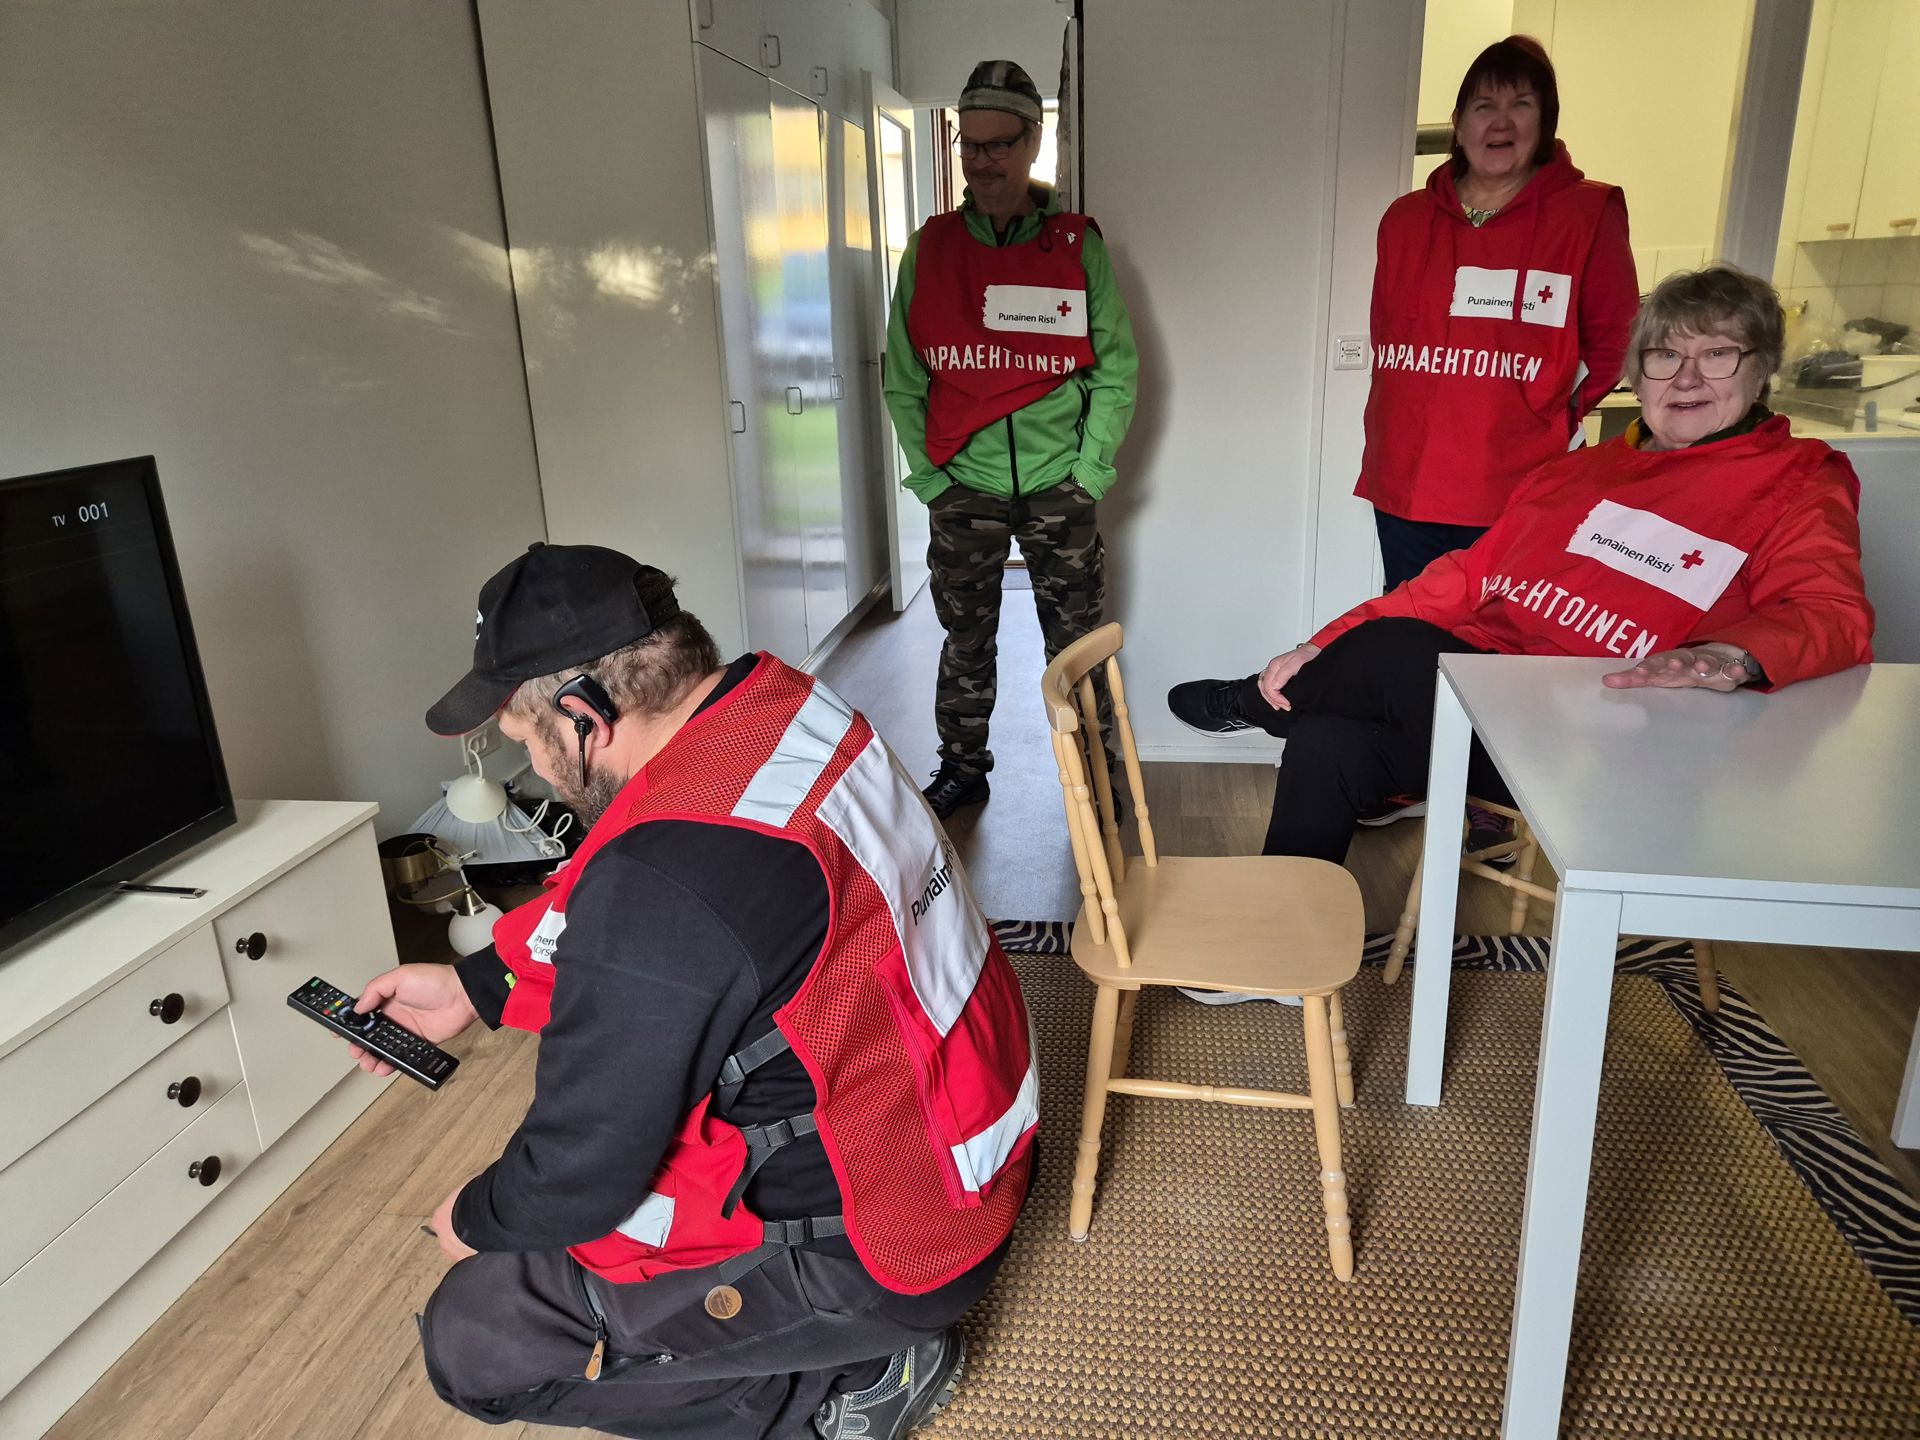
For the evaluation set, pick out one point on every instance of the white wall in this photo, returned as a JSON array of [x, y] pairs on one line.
[[938, 42], [598, 130], [1374, 148], [1453, 33], [1219, 217], [261, 240], [1647, 95]]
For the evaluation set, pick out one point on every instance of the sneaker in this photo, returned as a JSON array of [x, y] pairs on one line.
[[1485, 828], [1396, 807], [918, 1382], [953, 789], [1229, 997], [1210, 706]]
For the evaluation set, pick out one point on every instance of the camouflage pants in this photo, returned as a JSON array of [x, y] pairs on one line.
[[972, 534]]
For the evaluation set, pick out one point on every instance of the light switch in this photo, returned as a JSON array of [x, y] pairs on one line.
[[1349, 352]]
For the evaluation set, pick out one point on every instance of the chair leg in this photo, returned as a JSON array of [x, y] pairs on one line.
[[1106, 1010], [1523, 870], [1342, 1063], [1709, 981], [1409, 922], [1123, 1040], [1326, 1130]]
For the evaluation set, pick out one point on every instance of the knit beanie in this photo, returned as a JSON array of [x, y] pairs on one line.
[[1002, 85]]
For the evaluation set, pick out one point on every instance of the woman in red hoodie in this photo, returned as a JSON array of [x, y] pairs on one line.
[[1707, 544], [1501, 300]]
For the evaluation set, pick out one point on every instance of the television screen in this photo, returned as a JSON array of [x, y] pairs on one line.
[[109, 764]]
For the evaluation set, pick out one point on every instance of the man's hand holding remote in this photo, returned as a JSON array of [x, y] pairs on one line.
[[427, 999]]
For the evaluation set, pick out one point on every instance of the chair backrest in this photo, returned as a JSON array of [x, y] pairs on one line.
[[1079, 747]]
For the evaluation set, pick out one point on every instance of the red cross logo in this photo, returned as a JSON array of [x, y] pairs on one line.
[[1546, 293], [1691, 559], [1064, 308]]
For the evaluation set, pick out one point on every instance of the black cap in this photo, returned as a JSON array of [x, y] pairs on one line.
[[555, 606]]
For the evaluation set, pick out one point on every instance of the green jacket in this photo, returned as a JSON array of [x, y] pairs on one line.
[[1049, 441]]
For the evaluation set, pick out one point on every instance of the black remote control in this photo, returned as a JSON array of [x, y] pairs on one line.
[[374, 1032]]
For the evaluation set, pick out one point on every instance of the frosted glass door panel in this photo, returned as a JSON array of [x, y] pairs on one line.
[[748, 274], [856, 359], [811, 427]]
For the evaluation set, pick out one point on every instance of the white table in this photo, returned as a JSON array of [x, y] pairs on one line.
[[1792, 817]]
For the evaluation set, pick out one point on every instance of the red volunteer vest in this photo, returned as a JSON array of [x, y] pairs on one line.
[[997, 326], [911, 1023], [1476, 349], [1624, 551]]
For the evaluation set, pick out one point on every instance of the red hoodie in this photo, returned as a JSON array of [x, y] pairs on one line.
[[1753, 540], [1466, 399]]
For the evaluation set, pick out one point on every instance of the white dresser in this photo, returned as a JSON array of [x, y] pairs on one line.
[[157, 1093]]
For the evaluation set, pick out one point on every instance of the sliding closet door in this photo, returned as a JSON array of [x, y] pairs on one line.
[[750, 277], [856, 358], [811, 423]]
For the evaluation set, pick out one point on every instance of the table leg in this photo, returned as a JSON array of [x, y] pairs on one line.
[[1439, 895], [1906, 1116], [1586, 932]]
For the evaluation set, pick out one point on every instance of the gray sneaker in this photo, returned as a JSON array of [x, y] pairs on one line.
[[919, 1381]]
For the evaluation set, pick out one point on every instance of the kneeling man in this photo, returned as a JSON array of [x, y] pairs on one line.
[[785, 1102]]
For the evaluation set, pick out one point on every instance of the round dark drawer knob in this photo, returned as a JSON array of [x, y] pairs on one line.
[[252, 946], [205, 1171], [169, 1009], [186, 1091]]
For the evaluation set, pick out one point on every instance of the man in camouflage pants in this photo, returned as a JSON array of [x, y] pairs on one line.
[[1011, 378]]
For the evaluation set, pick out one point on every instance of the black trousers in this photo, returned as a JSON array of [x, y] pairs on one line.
[[1359, 731], [507, 1337], [1408, 546]]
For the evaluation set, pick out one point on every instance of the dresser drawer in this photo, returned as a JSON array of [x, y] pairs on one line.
[[327, 918], [72, 1063], [66, 1173], [49, 1297]]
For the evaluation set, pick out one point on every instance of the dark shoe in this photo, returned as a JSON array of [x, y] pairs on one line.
[[953, 790], [1484, 828], [1210, 706], [1396, 807], [918, 1382]]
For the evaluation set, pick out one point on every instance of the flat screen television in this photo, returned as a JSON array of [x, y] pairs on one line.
[[109, 763]]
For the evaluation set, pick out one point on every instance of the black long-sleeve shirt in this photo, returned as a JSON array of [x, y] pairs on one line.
[[682, 939]]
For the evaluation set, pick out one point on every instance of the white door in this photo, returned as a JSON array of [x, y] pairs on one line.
[[751, 282], [856, 357], [890, 147], [810, 420]]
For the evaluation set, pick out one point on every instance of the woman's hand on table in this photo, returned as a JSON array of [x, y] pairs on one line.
[[1280, 670], [1712, 666]]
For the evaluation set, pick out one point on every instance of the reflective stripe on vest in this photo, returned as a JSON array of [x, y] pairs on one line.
[[985, 1155], [652, 1222]]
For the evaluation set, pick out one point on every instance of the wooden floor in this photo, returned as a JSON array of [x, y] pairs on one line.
[[304, 1329]]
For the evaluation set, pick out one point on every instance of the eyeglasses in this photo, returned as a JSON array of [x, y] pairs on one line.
[[1719, 363], [992, 149]]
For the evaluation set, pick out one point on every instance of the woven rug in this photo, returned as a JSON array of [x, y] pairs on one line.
[[1718, 1296]]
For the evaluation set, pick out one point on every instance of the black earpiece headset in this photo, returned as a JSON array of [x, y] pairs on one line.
[[594, 694]]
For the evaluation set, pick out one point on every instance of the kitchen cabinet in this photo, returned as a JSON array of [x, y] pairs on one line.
[[1862, 155]]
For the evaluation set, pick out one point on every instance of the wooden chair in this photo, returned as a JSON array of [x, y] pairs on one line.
[[1526, 848], [1250, 925]]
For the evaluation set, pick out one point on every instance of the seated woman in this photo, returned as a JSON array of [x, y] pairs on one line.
[[1707, 544]]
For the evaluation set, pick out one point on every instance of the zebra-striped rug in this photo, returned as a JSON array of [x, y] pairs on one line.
[[1869, 1207]]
